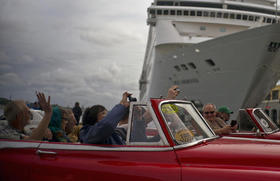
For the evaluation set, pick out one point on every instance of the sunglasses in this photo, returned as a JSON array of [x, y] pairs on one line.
[[211, 112]]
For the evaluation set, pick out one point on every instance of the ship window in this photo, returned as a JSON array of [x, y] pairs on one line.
[[257, 18], [274, 21], [199, 13], [245, 17], [176, 4], [179, 12], [152, 11], [219, 14], [159, 12], [165, 12], [172, 12], [274, 115], [266, 112], [222, 29], [251, 18], [226, 15], [238, 16], [264, 19], [192, 65], [268, 20], [165, 3], [192, 13], [186, 13], [205, 13], [184, 67], [279, 117], [177, 68], [267, 97], [212, 14], [275, 94], [210, 62], [202, 28], [232, 16]]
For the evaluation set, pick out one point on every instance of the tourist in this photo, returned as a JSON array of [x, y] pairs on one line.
[[18, 116]]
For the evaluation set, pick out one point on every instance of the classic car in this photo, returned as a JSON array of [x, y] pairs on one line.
[[166, 140], [254, 123]]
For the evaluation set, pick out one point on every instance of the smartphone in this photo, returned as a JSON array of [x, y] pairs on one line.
[[233, 123]]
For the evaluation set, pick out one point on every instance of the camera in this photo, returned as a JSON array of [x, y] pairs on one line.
[[132, 99]]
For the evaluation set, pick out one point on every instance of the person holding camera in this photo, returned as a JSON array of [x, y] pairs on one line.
[[100, 128]]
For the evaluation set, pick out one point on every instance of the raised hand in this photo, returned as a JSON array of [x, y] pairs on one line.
[[124, 99], [173, 92], [44, 104]]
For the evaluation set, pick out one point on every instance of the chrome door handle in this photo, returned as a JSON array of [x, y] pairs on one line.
[[39, 152]]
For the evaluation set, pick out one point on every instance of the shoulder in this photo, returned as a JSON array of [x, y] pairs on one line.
[[220, 121], [7, 132]]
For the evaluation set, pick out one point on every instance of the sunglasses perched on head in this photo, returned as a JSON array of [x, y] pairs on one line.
[[210, 112]]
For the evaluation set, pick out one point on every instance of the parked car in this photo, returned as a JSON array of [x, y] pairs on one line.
[[166, 140], [254, 123]]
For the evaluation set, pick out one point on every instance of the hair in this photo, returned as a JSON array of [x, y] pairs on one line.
[[12, 110], [208, 105], [90, 114]]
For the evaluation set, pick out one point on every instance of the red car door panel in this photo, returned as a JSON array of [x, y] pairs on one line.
[[86, 162]]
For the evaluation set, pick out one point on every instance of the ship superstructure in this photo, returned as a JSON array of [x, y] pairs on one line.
[[218, 51]]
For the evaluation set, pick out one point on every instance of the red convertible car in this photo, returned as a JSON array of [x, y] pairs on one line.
[[254, 123], [166, 140]]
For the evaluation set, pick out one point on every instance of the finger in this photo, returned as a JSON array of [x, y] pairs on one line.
[[174, 87], [43, 97], [49, 100]]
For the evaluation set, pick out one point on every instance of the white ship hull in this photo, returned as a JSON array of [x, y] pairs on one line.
[[236, 70], [221, 52]]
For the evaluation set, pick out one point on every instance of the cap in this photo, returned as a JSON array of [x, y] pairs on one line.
[[225, 110]]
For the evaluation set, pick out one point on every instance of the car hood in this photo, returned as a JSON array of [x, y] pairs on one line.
[[274, 136], [233, 152]]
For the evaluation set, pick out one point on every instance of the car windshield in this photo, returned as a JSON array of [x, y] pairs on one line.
[[184, 123], [246, 124], [265, 122]]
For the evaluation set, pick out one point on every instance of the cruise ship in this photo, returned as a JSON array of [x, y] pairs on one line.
[[224, 52]]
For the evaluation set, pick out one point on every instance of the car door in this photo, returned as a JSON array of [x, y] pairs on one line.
[[16, 159], [150, 159]]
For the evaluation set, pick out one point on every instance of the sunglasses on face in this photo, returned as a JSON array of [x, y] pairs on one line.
[[210, 112]]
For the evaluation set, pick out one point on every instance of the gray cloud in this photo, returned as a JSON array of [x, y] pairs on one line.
[[86, 51]]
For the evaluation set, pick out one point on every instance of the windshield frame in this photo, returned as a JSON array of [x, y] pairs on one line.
[[162, 143], [178, 145], [267, 118]]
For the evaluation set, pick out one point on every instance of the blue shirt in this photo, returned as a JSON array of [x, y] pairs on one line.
[[103, 132]]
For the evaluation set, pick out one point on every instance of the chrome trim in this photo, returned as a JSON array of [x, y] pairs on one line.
[[18, 144], [252, 139], [240, 133], [177, 147], [100, 148], [40, 152]]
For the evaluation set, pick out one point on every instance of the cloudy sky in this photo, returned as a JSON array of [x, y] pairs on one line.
[[87, 50]]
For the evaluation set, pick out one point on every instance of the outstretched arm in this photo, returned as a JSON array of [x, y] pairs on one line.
[[38, 133]]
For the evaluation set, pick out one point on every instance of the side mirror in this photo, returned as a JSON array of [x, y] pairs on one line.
[[258, 133]]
